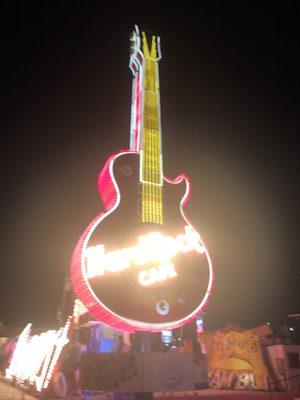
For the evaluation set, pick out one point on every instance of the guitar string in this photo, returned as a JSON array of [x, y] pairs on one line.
[[153, 149], [143, 188], [147, 142], [153, 138], [152, 216], [155, 144], [155, 141], [150, 154], [144, 140], [159, 188], [158, 149], [145, 162], [149, 186], [147, 149]]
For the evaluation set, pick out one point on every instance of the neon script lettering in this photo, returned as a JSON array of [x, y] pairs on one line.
[[156, 274], [35, 357], [151, 248]]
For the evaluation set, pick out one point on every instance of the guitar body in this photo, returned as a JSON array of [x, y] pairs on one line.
[[118, 298]]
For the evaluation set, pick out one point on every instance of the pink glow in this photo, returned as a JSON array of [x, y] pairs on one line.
[[106, 187], [109, 193], [138, 114]]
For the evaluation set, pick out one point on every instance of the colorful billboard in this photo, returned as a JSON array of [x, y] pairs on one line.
[[235, 360]]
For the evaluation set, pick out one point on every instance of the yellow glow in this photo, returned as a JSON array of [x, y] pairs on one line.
[[157, 274], [151, 154], [151, 248]]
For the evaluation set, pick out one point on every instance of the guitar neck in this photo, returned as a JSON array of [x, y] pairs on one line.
[[151, 151], [146, 126], [151, 155]]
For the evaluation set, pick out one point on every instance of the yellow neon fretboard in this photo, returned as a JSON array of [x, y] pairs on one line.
[[151, 168]]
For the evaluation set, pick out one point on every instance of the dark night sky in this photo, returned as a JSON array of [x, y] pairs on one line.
[[229, 89]]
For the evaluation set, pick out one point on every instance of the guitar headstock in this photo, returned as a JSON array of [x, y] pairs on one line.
[[135, 41], [139, 48]]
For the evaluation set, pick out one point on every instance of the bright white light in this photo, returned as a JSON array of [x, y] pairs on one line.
[[166, 337], [78, 310], [35, 357], [95, 255], [16, 360], [151, 248]]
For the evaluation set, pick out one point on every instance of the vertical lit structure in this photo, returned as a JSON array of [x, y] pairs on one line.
[[145, 132], [142, 246]]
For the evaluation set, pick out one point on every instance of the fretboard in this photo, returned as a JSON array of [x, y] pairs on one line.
[[150, 150]]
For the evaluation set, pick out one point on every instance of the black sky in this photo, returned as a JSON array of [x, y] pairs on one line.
[[229, 91]]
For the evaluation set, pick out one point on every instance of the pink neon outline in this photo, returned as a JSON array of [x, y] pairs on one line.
[[111, 198], [137, 114]]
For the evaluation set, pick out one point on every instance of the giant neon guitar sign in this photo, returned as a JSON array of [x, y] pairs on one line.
[[140, 264]]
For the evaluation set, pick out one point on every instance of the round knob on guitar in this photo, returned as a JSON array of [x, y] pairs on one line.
[[162, 307], [126, 170]]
